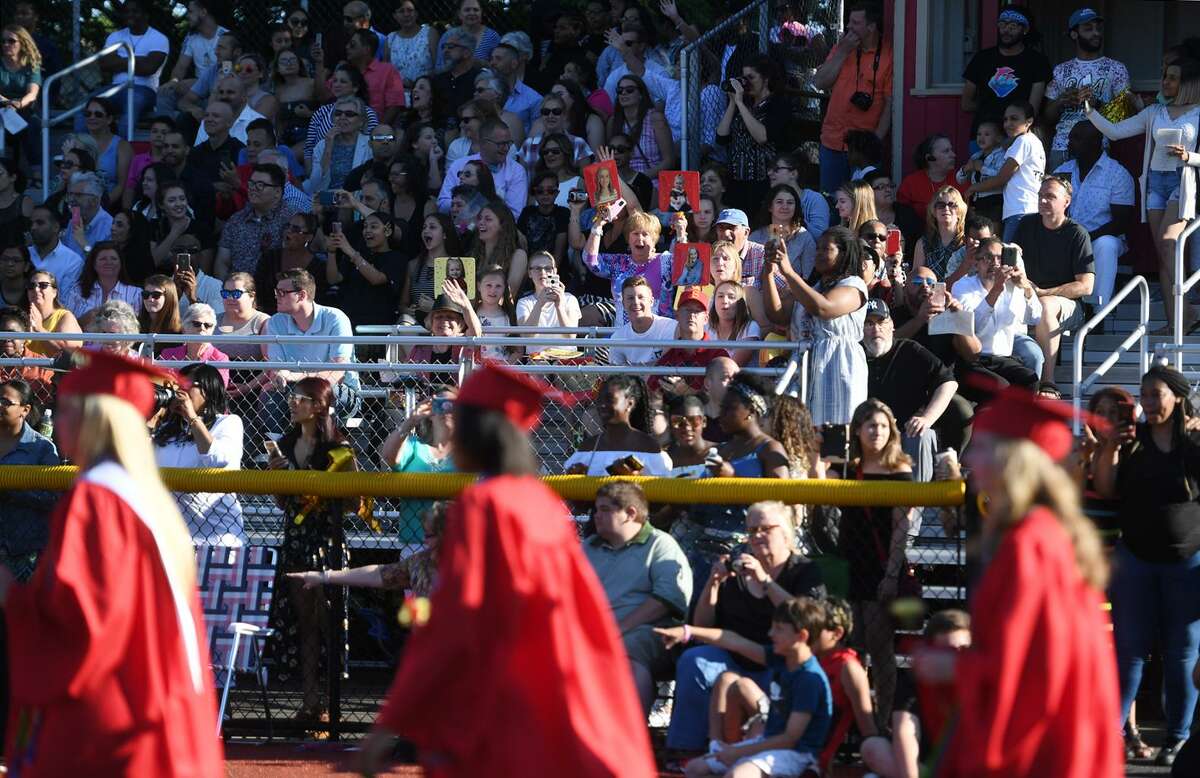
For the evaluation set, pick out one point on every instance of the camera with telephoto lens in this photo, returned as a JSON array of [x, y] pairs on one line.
[[164, 395], [862, 100]]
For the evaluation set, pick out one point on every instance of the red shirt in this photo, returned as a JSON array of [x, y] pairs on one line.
[[917, 189], [687, 357]]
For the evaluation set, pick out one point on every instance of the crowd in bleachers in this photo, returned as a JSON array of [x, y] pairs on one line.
[[461, 180]]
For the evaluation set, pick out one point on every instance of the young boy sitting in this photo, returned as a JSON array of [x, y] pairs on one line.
[[847, 679], [917, 724], [799, 695]]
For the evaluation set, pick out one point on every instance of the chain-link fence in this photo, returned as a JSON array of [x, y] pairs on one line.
[[335, 648]]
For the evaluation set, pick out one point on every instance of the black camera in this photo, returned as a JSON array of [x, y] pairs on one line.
[[862, 100], [727, 86], [163, 396]]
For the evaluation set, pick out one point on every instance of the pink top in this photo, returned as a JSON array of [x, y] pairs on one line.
[[208, 353], [384, 85], [136, 165], [601, 102]]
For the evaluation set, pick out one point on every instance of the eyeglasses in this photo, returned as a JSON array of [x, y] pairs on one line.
[[541, 269], [80, 194], [679, 422], [382, 138], [552, 112], [281, 292], [153, 294], [762, 529], [297, 229], [232, 294], [923, 281], [345, 114], [203, 325], [880, 186], [295, 397], [626, 90], [7, 403], [66, 164], [945, 205], [39, 285], [258, 186], [95, 114], [621, 149], [500, 144], [547, 150], [876, 236]]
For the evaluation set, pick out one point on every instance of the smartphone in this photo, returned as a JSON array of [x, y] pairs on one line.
[[1125, 414], [939, 294], [835, 441], [319, 37], [227, 67], [183, 262], [76, 218], [327, 198], [1008, 256], [616, 206], [272, 449], [893, 242], [577, 196], [336, 227]]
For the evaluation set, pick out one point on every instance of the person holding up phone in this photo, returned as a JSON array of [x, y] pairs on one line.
[[1153, 469], [550, 304]]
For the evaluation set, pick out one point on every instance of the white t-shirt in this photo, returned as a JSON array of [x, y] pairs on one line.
[[143, 45], [548, 317], [661, 328], [203, 51], [1021, 191], [1106, 77]]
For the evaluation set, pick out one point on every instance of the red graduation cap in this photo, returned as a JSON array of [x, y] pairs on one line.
[[1018, 413], [131, 380], [516, 395]]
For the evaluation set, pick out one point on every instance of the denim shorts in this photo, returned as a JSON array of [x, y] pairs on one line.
[[1162, 186]]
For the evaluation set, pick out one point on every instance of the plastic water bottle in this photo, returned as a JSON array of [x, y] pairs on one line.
[[45, 427]]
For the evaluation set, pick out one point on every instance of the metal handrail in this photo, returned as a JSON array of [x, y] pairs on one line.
[[1139, 334], [1182, 287], [127, 85], [689, 76]]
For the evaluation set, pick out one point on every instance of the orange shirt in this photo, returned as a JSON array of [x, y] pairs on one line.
[[858, 74]]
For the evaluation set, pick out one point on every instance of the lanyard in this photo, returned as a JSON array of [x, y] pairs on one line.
[[874, 65]]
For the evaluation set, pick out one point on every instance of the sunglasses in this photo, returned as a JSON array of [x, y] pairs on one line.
[[876, 236], [297, 229], [153, 294], [295, 397], [923, 281], [686, 421], [279, 292], [552, 112], [626, 90], [203, 325], [345, 114], [232, 294], [39, 285], [946, 205], [95, 114]]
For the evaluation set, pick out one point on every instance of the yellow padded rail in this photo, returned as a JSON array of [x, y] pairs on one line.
[[715, 491]]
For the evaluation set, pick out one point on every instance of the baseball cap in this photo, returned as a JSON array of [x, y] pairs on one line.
[[519, 41], [733, 216], [693, 294], [877, 307], [459, 36], [1082, 16]]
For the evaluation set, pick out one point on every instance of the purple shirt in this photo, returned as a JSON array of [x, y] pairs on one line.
[[618, 267]]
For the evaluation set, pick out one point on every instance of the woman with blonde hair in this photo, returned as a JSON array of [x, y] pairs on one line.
[[1037, 689], [642, 231], [874, 542], [855, 204], [945, 225], [21, 64], [110, 653]]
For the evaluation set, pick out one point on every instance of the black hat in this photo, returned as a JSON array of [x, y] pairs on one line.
[[444, 303]]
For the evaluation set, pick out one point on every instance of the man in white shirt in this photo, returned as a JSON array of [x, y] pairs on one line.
[[1003, 301], [512, 185], [199, 46], [230, 89], [1103, 203], [48, 252], [637, 298], [150, 48]]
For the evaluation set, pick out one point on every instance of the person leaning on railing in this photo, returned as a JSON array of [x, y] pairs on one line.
[[197, 430]]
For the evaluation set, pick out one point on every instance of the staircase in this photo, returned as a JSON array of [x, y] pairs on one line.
[[1099, 345]]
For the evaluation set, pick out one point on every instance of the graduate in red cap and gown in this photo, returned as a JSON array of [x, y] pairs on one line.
[[1037, 689], [520, 670], [110, 672]]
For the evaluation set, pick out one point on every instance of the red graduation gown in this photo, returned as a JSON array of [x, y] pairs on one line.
[[520, 670], [104, 683], [1038, 687]]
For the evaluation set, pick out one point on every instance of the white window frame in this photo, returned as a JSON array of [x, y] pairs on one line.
[[922, 86]]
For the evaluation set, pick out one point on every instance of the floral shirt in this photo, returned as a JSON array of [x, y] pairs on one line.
[[618, 267], [248, 235]]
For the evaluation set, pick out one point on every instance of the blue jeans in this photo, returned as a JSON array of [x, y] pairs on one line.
[[1156, 603], [695, 674], [1027, 351], [1009, 230], [835, 169]]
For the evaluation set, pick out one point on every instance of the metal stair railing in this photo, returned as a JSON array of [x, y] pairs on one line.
[[1139, 334], [47, 122], [1181, 289]]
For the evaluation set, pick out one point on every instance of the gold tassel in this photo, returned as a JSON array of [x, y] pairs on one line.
[[339, 459], [1117, 109]]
